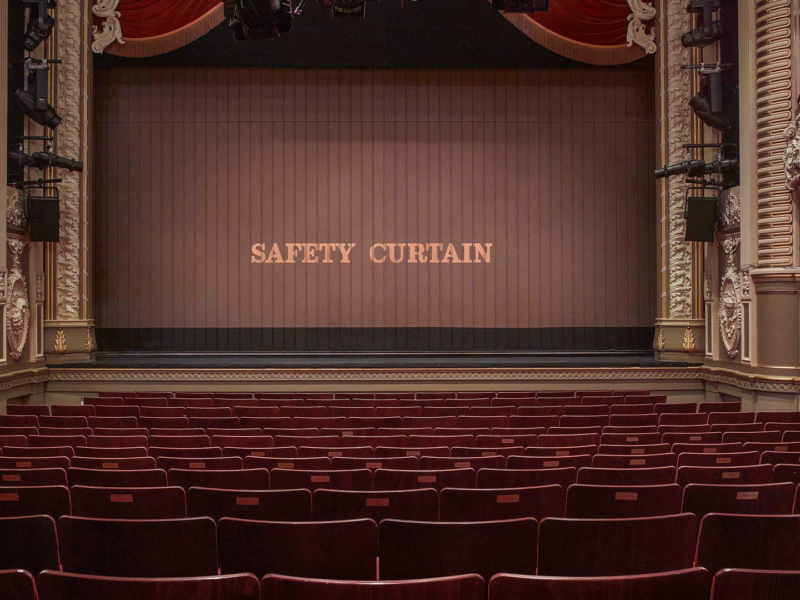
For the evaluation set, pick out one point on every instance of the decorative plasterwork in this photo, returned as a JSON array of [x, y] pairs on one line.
[[15, 210], [791, 156], [745, 283], [730, 300], [519, 376], [60, 344], [111, 31], [689, 344], [40, 287], [3, 289], [708, 291], [70, 103], [662, 340], [678, 130], [87, 342], [18, 315], [637, 34], [731, 209]]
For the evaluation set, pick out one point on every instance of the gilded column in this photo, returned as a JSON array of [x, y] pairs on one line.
[[69, 329], [679, 326]]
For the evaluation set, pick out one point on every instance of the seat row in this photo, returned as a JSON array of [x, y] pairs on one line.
[[687, 584], [406, 549], [336, 499]]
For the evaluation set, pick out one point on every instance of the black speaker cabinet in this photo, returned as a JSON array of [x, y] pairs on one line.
[[44, 219], [701, 218]]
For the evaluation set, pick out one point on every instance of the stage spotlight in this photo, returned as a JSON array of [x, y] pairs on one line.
[[255, 20], [40, 23], [708, 30], [356, 9], [42, 160], [707, 104], [521, 6], [33, 102]]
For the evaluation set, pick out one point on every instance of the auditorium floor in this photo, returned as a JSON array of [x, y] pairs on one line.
[[162, 360]]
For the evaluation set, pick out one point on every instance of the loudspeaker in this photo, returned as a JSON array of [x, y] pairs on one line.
[[44, 219], [701, 218]]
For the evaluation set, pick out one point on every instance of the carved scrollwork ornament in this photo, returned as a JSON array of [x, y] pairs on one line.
[[637, 31], [730, 300], [111, 31], [15, 210], [791, 156], [689, 344], [18, 314], [731, 209]]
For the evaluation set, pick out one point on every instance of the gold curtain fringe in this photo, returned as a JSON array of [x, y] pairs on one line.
[[161, 44], [585, 53]]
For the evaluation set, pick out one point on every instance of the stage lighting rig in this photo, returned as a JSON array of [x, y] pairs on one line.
[[33, 101], [707, 104], [700, 168], [356, 9], [708, 30], [43, 160], [40, 23], [255, 20], [521, 6]]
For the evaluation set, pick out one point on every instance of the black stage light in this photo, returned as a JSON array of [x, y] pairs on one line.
[[356, 9], [521, 6], [40, 23], [708, 30], [45, 216], [701, 213], [42, 160], [33, 102], [707, 104], [255, 20]]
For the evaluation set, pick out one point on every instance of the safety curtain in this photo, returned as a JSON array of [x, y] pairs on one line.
[[602, 32]]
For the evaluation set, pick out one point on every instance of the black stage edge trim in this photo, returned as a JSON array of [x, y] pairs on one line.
[[384, 340]]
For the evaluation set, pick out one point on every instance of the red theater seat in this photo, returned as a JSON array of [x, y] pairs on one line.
[[68, 410], [335, 452], [114, 423], [591, 439], [164, 422], [548, 462], [432, 441], [508, 478], [43, 452], [620, 502], [498, 441], [633, 420], [186, 402], [464, 587], [737, 427], [116, 441], [688, 418], [373, 441], [64, 431], [725, 459], [506, 451], [630, 449], [630, 439], [243, 453], [571, 548], [766, 499], [261, 505], [749, 542], [244, 479], [501, 503], [141, 401], [372, 463], [561, 451], [688, 584], [719, 407], [56, 440], [427, 463], [168, 412], [772, 446], [34, 547], [19, 433], [319, 422], [19, 421], [632, 409], [122, 464], [390, 479], [639, 461], [243, 441], [117, 411], [751, 584], [320, 441], [45, 500], [307, 463], [291, 479], [415, 549], [708, 448], [128, 503], [32, 477], [335, 549], [581, 410], [635, 476], [725, 475], [67, 586], [104, 400], [414, 505], [215, 422], [15, 441], [180, 441], [774, 417], [751, 436], [678, 407], [385, 452], [207, 464], [116, 478], [88, 452], [17, 585], [35, 462], [138, 548], [37, 410]]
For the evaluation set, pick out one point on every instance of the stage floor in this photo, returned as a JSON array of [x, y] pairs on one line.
[[161, 360]]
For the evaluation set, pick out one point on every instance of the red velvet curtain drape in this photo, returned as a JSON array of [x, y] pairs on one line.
[[593, 31]]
